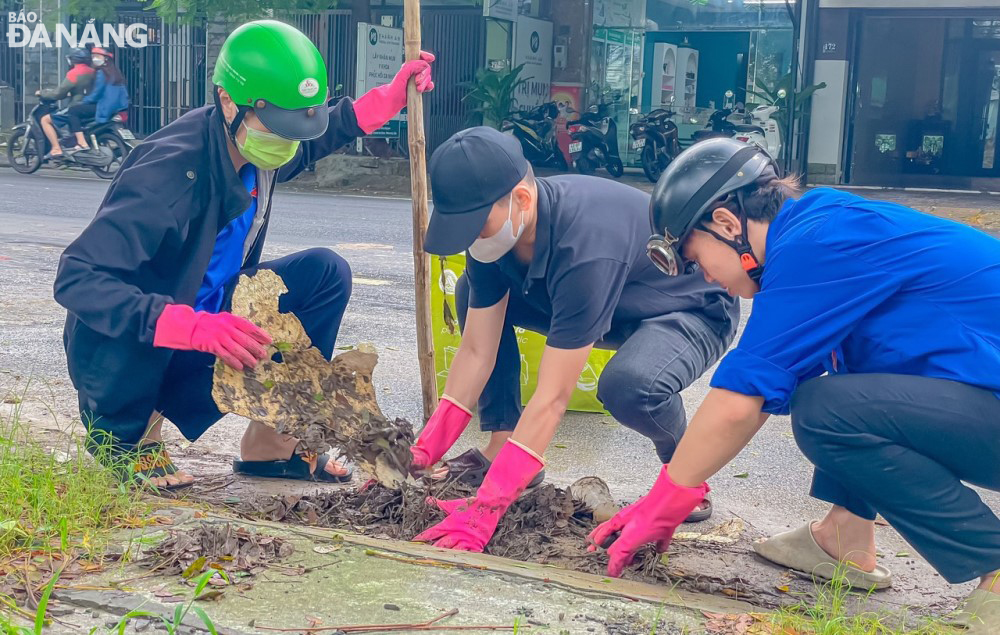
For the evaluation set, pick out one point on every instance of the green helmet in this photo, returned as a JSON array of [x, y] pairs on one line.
[[274, 69]]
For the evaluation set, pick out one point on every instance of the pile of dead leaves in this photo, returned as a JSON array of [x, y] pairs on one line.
[[23, 577], [220, 546], [322, 403], [544, 524], [745, 624]]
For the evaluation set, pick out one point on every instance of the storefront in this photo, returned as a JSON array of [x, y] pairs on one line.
[[698, 51], [924, 99]]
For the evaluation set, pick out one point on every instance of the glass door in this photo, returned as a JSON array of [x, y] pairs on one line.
[[616, 78], [988, 104]]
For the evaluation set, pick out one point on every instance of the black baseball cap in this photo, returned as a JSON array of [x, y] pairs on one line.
[[470, 172]]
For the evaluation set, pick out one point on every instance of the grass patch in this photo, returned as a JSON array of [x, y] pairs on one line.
[[834, 608], [55, 500]]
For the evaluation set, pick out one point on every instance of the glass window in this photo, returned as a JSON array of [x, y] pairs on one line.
[[720, 14], [927, 111]]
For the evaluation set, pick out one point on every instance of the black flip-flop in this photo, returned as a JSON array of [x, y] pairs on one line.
[[701, 514], [294, 469], [471, 466]]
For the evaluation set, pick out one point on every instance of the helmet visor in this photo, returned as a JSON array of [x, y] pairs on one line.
[[661, 251]]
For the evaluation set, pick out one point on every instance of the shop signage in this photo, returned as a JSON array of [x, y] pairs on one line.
[[619, 13], [533, 48], [380, 55], [500, 9]]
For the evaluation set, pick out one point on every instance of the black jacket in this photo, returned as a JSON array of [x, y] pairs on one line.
[[150, 245]]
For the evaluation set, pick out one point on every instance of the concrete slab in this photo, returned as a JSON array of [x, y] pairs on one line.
[[352, 580]]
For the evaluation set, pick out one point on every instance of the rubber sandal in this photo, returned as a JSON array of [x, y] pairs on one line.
[[294, 469], [799, 551], [153, 461], [471, 466], [702, 513], [979, 614]]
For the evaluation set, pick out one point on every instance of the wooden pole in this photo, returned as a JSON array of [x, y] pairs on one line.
[[418, 185]]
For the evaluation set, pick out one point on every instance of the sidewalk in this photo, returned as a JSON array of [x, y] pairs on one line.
[[337, 578]]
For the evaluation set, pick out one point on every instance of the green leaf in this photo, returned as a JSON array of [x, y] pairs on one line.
[[741, 475], [319, 397], [268, 384], [205, 619], [194, 568], [179, 612], [283, 347], [44, 603], [205, 577]]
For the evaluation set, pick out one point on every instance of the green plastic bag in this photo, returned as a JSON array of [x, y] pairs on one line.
[[444, 322]]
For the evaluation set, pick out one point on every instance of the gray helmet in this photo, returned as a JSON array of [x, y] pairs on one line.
[[79, 56], [701, 175]]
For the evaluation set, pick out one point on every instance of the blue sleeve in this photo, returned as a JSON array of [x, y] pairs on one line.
[[584, 299], [487, 283], [813, 294], [95, 94]]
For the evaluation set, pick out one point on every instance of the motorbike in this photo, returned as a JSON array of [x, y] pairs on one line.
[[536, 130], [719, 125], [655, 136], [110, 144], [760, 128], [594, 142]]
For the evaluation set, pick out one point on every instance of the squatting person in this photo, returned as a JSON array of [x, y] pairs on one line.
[[147, 283], [876, 327], [562, 256]]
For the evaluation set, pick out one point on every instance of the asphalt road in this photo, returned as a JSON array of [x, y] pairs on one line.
[[766, 485]]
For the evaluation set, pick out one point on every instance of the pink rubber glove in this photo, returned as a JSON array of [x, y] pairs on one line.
[[234, 340], [379, 105], [449, 420], [471, 521], [652, 518]]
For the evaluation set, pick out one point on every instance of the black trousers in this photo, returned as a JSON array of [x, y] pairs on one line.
[[77, 113], [319, 287], [639, 388], [904, 446]]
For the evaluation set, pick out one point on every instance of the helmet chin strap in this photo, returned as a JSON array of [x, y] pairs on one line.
[[232, 127], [748, 259]]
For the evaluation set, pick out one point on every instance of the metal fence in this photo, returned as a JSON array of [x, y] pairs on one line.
[[11, 61], [166, 78], [458, 38], [335, 35]]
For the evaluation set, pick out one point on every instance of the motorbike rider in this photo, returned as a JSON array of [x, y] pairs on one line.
[[563, 256], [875, 326], [148, 282], [108, 97], [78, 81]]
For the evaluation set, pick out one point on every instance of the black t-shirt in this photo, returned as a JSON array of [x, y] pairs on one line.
[[590, 273]]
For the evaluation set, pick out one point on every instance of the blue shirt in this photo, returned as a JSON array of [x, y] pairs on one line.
[[227, 256], [885, 288], [589, 274]]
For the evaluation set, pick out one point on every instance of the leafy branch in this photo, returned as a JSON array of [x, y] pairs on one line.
[[492, 94]]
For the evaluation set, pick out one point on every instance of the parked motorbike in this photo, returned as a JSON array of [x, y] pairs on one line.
[[760, 128], [109, 144], [536, 130], [655, 137], [719, 125], [595, 142]]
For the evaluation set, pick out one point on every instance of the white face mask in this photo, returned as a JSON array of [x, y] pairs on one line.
[[492, 248]]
